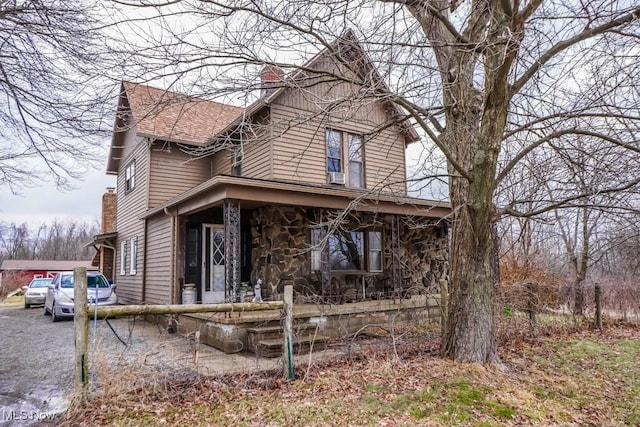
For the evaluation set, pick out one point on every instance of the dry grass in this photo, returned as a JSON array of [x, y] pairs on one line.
[[573, 377]]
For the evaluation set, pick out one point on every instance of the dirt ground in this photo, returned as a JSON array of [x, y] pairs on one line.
[[37, 359]]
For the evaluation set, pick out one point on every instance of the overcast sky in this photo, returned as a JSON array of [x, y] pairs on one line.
[[44, 204]]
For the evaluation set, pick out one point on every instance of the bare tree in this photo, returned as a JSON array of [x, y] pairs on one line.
[[56, 241], [489, 82], [590, 186], [14, 241], [52, 106]]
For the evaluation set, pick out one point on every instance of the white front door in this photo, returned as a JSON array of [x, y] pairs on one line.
[[213, 269]]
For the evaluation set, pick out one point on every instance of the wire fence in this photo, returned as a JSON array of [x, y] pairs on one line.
[[144, 350]]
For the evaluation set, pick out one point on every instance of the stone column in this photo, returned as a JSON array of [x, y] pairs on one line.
[[232, 248]]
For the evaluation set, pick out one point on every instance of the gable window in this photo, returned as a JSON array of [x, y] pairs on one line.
[[130, 176], [134, 256], [345, 158], [123, 258]]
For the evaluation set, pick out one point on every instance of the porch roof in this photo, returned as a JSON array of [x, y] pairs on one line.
[[258, 192], [106, 239]]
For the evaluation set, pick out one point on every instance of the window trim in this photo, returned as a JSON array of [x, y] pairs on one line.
[[123, 257], [133, 259], [371, 250], [315, 257], [347, 156], [350, 160], [329, 157]]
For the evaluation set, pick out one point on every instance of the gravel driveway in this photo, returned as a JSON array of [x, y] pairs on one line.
[[36, 365], [37, 359]]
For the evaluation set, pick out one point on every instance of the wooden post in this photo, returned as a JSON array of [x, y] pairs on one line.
[[531, 306], [444, 304], [287, 348], [81, 326], [196, 347], [598, 294]]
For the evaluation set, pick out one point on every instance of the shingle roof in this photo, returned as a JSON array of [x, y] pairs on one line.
[[28, 264], [176, 117]]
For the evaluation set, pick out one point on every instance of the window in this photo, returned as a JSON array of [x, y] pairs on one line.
[[316, 250], [130, 177], [134, 256], [347, 250], [236, 164], [123, 258], [356, 178], [375, 251], [334, 151], [351, 171]]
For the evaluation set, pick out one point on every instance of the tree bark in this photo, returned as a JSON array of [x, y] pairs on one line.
[[475, 122]]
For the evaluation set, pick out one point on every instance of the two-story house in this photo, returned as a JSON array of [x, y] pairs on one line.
[[306, 186]]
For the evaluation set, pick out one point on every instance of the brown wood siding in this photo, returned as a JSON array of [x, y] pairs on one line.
[[130, 205], [221, 162], [172, 172], [299, 151], [256, 162], [159, 260], [300, 117]]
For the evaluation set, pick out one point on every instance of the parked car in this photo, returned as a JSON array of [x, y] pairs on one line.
[[36, 291], [59, 300]]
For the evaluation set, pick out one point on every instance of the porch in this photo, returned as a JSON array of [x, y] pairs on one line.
[[328, 256], [315, 324]]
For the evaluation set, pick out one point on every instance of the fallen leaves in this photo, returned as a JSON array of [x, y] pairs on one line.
[[580, 378]]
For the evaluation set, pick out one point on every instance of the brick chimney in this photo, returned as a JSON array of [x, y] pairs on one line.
[[271, 77], [109, 200]]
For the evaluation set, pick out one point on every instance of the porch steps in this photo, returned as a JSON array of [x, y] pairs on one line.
[[267, 341]]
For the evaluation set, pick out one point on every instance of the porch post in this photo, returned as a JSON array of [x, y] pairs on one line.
[[325, 270], [396, 274], [232, 248]]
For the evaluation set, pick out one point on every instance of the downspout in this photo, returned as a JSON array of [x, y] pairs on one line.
[[174, 297], [144, 263]]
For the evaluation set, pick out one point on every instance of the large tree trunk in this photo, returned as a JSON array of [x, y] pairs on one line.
[[578, 296], [475, 122], [470, 335]]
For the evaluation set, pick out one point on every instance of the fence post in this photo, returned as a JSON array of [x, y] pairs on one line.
[[532, 302], [287, 347], [81, 326], [598, 294]]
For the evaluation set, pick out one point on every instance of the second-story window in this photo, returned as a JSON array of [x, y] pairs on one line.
[[345, 158], [334, 151], [130, 177], [356, 178]]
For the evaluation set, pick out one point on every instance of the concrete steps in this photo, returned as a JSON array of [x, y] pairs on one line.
[[267, 341]]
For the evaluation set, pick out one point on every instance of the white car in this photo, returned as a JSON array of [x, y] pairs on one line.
[[59, 300], [36, 292]]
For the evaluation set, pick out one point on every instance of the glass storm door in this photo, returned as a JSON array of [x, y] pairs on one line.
[[213, 270]]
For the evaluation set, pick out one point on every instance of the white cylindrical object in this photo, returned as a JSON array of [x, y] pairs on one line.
[[189, 293]]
